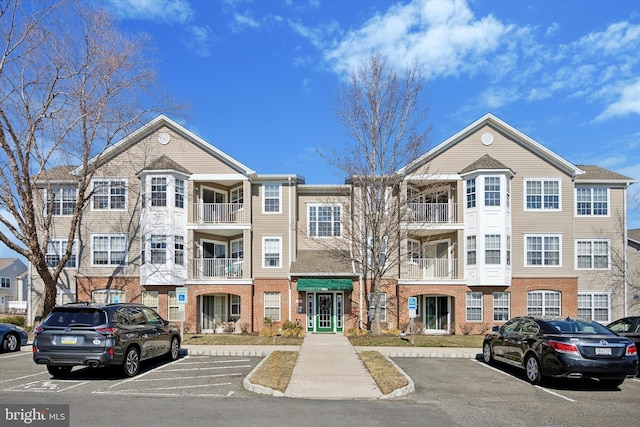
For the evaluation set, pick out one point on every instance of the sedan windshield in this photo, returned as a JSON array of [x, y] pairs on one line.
[[579, 327]]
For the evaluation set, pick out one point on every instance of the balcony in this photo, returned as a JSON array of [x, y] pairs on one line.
[[218, 213], [432, 213], [430, 269], [218, 268]]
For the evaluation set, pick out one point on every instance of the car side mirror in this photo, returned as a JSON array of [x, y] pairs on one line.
[[495, 329]]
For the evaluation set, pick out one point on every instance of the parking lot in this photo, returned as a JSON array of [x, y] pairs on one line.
[[203, 376]]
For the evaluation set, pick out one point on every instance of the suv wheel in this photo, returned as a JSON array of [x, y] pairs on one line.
[[174, 350], [11, 342], [131, 364], [59, 371]]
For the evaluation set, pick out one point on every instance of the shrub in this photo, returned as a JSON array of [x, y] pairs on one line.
[[292, 329], [391, 332], [270, 329], [355, 332], [15, 320]]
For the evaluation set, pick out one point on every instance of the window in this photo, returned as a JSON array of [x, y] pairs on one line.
[[594, 306], [413, 250], [492, 191], [109, 194], [104, 296], [592, 254], [508, 250], [272, 306], [383, 306], [543, 251], [272, 250], [5, 282], [592, 201], [235, 305], [237, 195], [179, 196], [271, 199], [501, 306], [109, 249], [173, 308], [324, 221], [150, 299], [178, 246], [543, 303], [471, 193], [492, 249], [237, 249], [158, 191], [474, 306], [55, 250], [64, 200], [542, 194], [158, 249], [471, 250]]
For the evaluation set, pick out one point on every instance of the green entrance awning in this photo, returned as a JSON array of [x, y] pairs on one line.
[[318, 285]]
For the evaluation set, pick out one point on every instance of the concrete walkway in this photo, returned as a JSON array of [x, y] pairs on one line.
[[329, 367]]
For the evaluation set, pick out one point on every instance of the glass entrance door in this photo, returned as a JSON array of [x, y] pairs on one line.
[[436, 314], [324, 316], [214, 312]]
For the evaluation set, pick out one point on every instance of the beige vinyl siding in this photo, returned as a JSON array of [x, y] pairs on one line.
[[305, 241]]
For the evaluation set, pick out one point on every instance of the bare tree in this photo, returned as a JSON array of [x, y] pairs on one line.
[[71, 84], [383, 115]]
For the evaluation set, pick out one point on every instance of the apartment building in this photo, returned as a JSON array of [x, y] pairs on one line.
[[497, 226]]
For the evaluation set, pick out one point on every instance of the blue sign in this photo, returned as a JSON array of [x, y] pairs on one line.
[[181, 295], [413, 303]]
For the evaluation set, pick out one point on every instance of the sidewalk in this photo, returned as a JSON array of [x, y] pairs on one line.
[[329, 367]]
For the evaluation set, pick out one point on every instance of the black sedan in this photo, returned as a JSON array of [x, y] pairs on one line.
[[627, 327], [562, 347], [12, 337]]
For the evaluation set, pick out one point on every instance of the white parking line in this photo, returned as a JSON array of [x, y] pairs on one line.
[[522, 381], [216, 361], [206, 369], [180, 387], [24, 376], [234, 374], [157, 368], [22, 353]]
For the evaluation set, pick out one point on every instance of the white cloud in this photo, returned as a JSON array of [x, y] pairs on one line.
[[627, 102], [200, 40], [167, 11]]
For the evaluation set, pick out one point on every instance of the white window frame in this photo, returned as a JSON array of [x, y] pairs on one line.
[[592, 201], [270, 306], [269, 196], [173, 307], [546, 251], [178, 250], [485, 185], [493, 239], [333, 220], [472, 249], [501, 306], [414, 250], [60, 248], [109, 250], [5, 282], [547, 306], [61, 199], [235, 306], [112, 296], [277, 240], [155, 195], [593, 302], [179, 192], [474, 305], [151, 299], [383, 306], [158, 249], [544, 193], [471, 193], [109, 185], [592, 255]]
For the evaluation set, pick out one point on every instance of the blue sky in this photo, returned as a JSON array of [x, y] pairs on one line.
[[260, 76]]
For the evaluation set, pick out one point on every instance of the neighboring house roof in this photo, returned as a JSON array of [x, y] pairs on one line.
[[59, 175], [507, 130], [486, 162], [165, 163], [322, 263], [8, 262], [158, 123], [594, 174], [634, 235]]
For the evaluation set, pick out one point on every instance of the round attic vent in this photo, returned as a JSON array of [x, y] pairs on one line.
[[486, 138], [164, 138]]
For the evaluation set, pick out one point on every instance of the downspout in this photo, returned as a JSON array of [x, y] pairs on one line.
[[290, 245], [624, 251]]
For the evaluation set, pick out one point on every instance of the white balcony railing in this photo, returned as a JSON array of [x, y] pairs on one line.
[[433, 213], [218, 268], [431, 268], [218, 213]]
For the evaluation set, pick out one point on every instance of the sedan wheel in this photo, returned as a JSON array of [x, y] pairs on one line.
[[486, 353], [131, 364], [174, 351], [10, 343], [532, 366]]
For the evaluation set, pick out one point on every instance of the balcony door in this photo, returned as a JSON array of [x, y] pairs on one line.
[[437, 259], [436, 314], [214, 258], [212, 201]]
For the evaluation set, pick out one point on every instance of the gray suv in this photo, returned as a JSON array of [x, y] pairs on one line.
[[103, 335]]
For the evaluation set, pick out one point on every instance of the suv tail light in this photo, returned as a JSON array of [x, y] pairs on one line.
[[563, 347], [37, 330], [107, 331], [631, 350]]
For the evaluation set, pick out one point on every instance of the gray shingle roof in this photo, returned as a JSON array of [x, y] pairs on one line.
[[322, 262], [485, 162], [165, 163], [593, 172]]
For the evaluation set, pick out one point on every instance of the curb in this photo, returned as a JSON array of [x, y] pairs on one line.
[[402, 391], [257, 388]]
